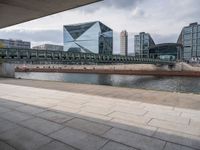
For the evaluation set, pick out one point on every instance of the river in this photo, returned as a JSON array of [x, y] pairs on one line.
[[172, 84]]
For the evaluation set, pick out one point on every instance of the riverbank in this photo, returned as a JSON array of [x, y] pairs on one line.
[[131, 94], [180, 69]]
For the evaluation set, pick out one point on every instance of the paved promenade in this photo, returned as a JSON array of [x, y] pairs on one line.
[[35, 115]]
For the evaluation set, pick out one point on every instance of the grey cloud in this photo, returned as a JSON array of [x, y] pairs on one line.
[[38, 36], [158, 38], [118, 4]]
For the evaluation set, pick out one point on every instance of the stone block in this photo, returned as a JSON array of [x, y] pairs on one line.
[[79, 139], [88, 126], [24, 139], [41, 125], [134, 140]]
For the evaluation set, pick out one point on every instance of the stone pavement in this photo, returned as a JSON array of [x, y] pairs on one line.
[[45, 119]]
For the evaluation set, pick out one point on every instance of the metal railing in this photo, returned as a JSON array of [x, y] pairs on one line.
[[62, 57]]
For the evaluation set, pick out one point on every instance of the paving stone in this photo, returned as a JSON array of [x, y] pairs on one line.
[[179, 138], [130, 117], [55, 145], [171, 146], [194, 123], [41, 125], [30, 109], [194, 116], [116, 146], [88, 126], [4, 146], [16, 116], [3, 110], [6, 125], [134, 140], [132, 126], [70, 105], [97, 110], [166, 117], [64, 109], [101, 104], [175, 127], [130, 110], [24, 139], [161, 109], [93, 117], [10, 104], [54, 116], [79, 139]]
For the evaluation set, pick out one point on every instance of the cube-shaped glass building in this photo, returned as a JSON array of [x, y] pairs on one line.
[[92, 37]]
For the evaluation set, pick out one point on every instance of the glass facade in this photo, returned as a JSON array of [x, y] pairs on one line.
[[190, 39], [142, 43], [167, 51], [93, 37]]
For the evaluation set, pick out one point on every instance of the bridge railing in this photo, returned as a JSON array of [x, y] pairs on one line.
[[34, 56]]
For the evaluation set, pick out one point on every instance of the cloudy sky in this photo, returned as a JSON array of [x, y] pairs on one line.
[[163, 19]]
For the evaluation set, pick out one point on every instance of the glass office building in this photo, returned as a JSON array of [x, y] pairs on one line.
[[142, 43], [93, 37], [190, 39], [166, 51]]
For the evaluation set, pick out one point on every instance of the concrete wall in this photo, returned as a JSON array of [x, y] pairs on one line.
[[7, 70]]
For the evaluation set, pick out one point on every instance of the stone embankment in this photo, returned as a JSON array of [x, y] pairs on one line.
[[180, 69]]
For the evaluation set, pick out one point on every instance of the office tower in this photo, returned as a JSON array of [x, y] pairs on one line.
[[190, 39], [142, 43], [124, 43]]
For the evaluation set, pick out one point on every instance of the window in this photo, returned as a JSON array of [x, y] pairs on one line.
[[187, 49], [198, 35], [194, 54], [194, 42], [194, 35], [187, 43], [195, 29], [198, 47], [187, 36], [188, 30], [198, 41]]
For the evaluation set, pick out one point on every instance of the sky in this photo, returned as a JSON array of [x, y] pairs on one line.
[[163, 19]]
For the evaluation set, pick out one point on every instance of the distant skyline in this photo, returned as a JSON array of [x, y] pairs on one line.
[[162, 19]]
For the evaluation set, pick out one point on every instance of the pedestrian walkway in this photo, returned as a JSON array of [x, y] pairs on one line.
[[50, 119]]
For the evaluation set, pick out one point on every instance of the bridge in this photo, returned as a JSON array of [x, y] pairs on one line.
[[32, 56], [19, 11]]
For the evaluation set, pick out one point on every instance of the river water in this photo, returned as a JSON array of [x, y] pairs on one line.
[[173, 84]]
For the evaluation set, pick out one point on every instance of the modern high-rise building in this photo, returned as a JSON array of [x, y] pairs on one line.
[[92, 37], [124, 43], [50, 47], [4, 43], [190, 39], [142, 43]]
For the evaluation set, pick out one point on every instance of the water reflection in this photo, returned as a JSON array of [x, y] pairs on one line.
[[176, 84]]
